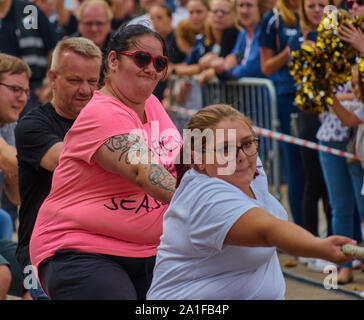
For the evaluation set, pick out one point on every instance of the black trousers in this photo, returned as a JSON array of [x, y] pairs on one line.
[[70, 274], [315, 187]]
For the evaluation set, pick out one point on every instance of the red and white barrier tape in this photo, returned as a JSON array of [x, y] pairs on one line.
[[284, 137]]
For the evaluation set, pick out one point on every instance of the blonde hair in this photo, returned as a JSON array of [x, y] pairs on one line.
[[13, 65], [87, 3], [208, 118], [288, 15], [185, 31], [82, 46], [305, 25]]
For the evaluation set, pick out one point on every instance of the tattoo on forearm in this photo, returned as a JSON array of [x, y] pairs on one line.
[[159, 176]]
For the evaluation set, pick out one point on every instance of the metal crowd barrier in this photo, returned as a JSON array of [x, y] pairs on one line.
[[256, 98]]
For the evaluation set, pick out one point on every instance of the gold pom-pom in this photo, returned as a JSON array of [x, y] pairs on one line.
[[320, 69]]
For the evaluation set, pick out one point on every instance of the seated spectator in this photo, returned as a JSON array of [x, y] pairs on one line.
[[14, 91], [244, 60], [161, 17], [219, 39], [94, 22], [73, 77]]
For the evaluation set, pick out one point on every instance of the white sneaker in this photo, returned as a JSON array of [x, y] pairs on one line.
[[357, 264]]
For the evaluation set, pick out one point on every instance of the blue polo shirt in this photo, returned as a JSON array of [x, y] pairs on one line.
[[282, 79]]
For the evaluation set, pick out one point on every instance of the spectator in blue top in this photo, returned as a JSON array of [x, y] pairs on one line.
[[278, 26], [244, 60], [219, 39], [311, 14]]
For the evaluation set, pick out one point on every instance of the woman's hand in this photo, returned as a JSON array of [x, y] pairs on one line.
[[331, 247], [206, 60], [206, 75], [219, 65], [353, 36]]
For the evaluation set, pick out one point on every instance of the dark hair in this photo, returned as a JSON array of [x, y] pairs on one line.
[[122, 39]]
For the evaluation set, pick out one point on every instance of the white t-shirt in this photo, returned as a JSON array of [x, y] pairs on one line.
[[192, 261]]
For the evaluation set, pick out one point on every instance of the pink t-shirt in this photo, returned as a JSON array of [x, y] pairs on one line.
[[92, 210]]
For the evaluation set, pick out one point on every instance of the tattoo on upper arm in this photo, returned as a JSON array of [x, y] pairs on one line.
[[133, 146]]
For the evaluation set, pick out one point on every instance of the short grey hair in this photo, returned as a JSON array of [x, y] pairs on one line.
[[79, 45]]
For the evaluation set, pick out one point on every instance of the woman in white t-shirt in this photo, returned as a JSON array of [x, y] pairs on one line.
[[222, 228]]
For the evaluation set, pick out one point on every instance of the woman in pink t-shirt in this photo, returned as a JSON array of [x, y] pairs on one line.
[[97, 233]]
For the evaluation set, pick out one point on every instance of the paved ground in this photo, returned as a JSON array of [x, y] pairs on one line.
[[297, 290], [303, 284]]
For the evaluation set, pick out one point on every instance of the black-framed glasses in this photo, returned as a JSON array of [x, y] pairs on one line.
[[144, 58], [249, 148], [350, 3], [18, 91]]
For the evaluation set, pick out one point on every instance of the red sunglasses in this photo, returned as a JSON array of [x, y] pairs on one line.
[[350, 3], [143, 59]]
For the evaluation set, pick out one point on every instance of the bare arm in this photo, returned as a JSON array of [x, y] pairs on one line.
[[230, 61], [258, 228], [272, 63], [8, 160], [347, 117], [9, 164], [11, 188], [50, 159], [131, 159], [62, 13]]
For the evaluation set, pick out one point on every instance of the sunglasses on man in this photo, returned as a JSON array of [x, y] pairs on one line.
[[350, 3], [143, 59]]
